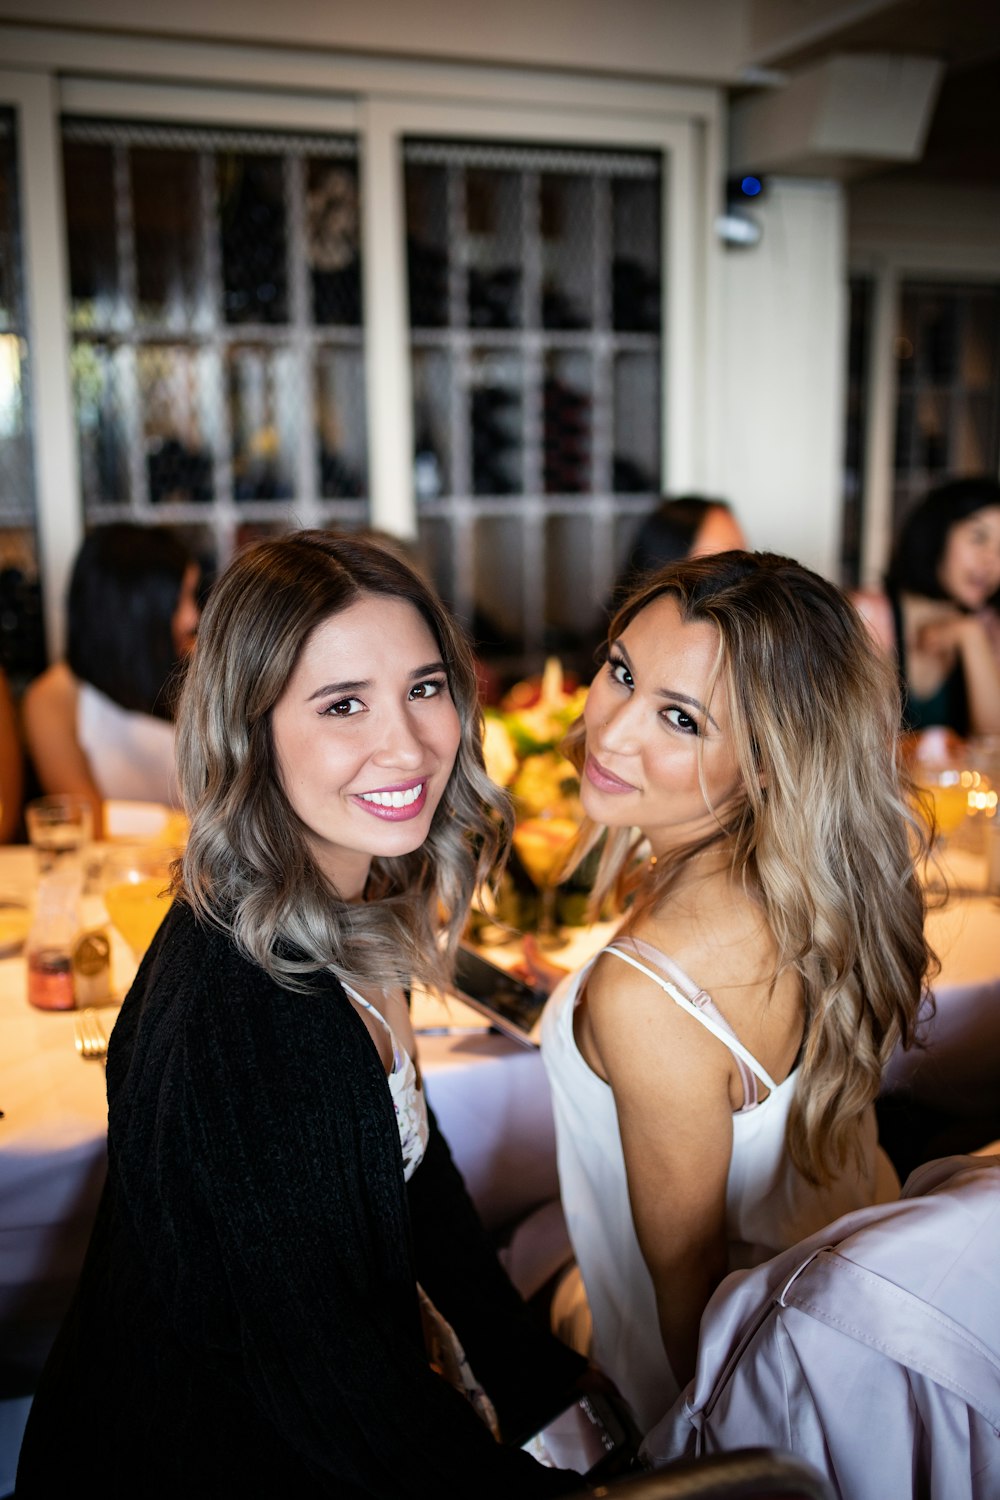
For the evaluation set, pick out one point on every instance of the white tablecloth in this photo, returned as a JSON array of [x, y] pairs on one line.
[[957, 1071], [489, 1093]]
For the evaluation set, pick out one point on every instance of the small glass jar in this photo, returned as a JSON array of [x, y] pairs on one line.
[[52, 936]]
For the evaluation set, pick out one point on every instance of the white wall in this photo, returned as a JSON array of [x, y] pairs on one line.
[[780, 419], [660, 39]]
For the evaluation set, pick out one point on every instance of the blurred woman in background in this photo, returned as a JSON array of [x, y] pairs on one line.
[[690, 526], [938, 617], [100, 724]]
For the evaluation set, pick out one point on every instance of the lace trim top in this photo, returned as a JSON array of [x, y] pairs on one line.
[[407, 1096], [444, 1348]]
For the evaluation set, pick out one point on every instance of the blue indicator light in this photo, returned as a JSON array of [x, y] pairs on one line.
[[750, 186]]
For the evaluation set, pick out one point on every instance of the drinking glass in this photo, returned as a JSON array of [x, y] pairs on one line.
[[541, 843], [59, 827], [942, 798], [948, 790], [136, 881]]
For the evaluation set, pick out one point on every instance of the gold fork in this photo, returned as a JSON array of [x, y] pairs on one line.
[[91, 1041]]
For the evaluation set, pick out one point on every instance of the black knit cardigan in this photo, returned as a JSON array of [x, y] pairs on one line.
[[246, 1321]]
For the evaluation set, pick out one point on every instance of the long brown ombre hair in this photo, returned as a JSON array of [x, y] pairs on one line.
[[823, 836], [247, 866]]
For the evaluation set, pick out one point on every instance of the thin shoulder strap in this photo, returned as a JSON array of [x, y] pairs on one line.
[[717, 1024], [348, 989], [673, 970], [399, 1053], [708, 1007]]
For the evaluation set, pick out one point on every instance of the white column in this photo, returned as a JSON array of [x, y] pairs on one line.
[[880, 429], [387, 355], [783, 372]]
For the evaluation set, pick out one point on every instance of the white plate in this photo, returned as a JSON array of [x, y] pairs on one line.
[[134, 820]]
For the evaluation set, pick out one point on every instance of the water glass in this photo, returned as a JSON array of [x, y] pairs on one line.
[[59, 827]]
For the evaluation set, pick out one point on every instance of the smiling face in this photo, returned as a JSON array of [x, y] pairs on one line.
[[650, 717], [969, 571], [365, 737]]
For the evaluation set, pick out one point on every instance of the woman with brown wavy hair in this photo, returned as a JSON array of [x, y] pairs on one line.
[[282, 1226], [739, 751]]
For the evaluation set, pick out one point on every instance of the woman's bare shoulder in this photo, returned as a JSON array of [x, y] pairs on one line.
[[714, 932], [874, 608], [634, 1030], [725, 947], [55, 690], [50, 732], [712, 935]]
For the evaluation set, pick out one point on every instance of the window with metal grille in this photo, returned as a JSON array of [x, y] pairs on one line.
[[535, 291], [215, 283], [948, 387]]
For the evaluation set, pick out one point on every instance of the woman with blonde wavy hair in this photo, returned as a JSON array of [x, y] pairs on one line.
[[284, 1242], [739, 752]]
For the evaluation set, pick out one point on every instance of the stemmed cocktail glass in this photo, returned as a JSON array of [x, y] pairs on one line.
[[541, 844]]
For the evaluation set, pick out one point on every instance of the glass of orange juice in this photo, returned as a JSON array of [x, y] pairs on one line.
[[541, 844], [946, 789], [136, 885]]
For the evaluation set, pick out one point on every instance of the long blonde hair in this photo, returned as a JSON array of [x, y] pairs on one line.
[[247, 866], [823, 837]]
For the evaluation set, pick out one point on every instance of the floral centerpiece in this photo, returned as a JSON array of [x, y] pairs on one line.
[[521, 743]]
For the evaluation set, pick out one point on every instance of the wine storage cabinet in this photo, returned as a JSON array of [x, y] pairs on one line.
[[534, 278], [215, 315]]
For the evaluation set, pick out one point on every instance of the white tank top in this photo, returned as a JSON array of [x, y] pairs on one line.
[[131, 755], [769, 1205]]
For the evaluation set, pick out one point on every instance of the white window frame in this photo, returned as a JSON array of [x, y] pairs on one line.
[[387, 123]]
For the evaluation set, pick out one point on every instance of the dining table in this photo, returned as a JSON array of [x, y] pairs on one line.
[[488, 1091], [944, 1091]]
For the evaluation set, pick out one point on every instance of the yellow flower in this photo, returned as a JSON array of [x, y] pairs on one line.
[[498, 751], [547, 783]]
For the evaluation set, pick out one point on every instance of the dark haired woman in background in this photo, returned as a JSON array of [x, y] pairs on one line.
[[690, 526], [100, 724], [938, 614]]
